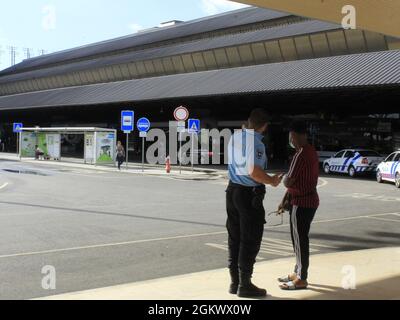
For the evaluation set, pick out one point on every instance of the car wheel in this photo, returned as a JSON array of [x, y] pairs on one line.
[[352, 172], [327, 169], [398, 180], [379, 176]]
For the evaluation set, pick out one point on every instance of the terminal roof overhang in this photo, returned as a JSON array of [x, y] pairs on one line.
[[350, 71], [241, 17], [306, 27]]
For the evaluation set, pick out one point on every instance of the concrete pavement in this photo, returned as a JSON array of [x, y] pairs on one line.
[[366, 274]]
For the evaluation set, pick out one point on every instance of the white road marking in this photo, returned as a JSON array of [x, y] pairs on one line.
[[367, 196], [354, 218], [340, 219], [324, 183], [110, 245], [4, 185], [384, 219], [33, 253], [277, 247]]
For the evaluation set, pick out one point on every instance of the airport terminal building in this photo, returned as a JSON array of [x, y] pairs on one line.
[[345, 83]]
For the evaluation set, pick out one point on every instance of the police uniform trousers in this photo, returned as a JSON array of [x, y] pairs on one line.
[[245, 225]]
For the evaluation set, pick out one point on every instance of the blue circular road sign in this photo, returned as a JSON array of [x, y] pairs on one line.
[[143, 125]]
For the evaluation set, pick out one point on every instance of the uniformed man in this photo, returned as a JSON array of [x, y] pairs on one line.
[[244, 202]]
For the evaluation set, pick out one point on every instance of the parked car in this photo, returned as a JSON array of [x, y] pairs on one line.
[[353, 162], [389, 169]]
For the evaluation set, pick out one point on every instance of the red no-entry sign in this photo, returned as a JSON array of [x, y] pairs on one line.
[[181, 114]]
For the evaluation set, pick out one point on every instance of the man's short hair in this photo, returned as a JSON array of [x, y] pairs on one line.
[[299, 127], [258, 118]]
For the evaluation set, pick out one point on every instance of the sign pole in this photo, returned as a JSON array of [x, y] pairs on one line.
[[143, 126], [192, 152], [127, 126], [194, 129], [18, 143], [181, 114], [143, 154], [180, 152], [20, 146], [127, 151]]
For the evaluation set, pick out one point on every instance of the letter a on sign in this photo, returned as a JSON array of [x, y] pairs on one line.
[[349, 20]]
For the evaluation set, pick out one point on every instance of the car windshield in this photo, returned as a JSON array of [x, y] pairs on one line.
[[369, 154]]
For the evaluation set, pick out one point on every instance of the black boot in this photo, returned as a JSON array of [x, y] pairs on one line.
[[234, 281], [247, 289]]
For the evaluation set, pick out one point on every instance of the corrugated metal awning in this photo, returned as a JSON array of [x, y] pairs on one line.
[[221, 21], [292, 30], [358, 70]]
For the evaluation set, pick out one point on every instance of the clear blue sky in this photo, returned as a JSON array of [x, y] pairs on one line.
[[60, 24]]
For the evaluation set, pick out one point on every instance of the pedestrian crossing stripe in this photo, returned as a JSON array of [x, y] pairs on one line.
[[277, 247]]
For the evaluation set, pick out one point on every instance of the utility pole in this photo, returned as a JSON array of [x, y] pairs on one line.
[[13, 54], [28, 53]]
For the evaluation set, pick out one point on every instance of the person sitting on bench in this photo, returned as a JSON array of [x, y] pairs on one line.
[[38, 153]]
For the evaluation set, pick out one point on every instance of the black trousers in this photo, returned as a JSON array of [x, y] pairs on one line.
[[245, 224], [300, 223], [120, 160]]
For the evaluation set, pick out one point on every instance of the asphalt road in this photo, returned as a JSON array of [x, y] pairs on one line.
[[101, 229]]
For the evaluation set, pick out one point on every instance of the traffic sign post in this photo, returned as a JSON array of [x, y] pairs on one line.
[[143, 126], [17, 128], [181, 114], [127, 126], [194, 129]]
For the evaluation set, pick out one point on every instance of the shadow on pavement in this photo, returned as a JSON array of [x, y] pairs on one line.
[[384, 289], [350, 243], [111, 214], [343, 176]]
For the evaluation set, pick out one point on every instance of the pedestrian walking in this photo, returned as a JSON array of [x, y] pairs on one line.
[[38, 153], [244, 202], [120, 154], [303, 201]]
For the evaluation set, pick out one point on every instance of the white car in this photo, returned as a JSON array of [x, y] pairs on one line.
[[326, 152], [353, 162], [389, 169]]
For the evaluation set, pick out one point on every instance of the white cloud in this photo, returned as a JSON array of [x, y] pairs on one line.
[[134, 27], [211, 7]]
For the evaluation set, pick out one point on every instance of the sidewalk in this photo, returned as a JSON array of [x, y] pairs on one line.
[[133, 168], [377, 276]]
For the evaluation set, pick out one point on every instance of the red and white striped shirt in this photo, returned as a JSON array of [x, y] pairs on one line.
[[304, 169]]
